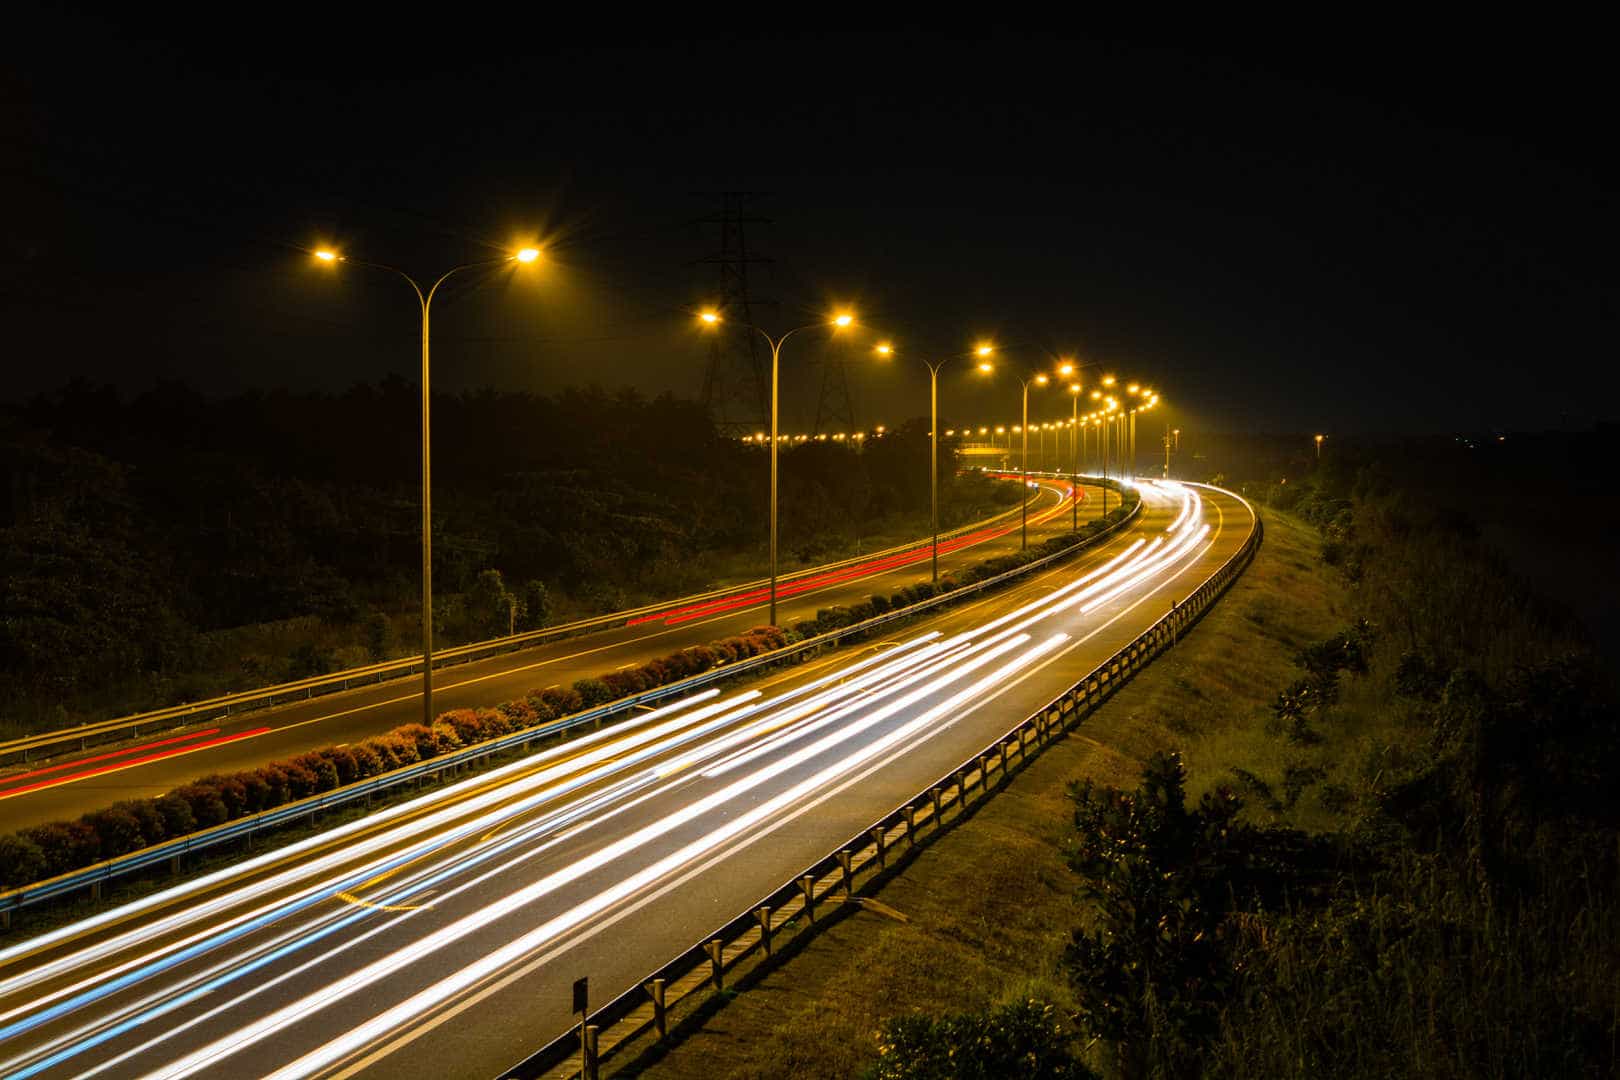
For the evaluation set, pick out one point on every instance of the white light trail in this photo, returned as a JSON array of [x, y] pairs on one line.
[[446, 988], [349, 984]]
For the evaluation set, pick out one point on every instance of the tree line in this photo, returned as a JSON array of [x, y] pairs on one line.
[[136, 532]]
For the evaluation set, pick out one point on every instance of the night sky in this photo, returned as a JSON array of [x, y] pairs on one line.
[[1340, 228]]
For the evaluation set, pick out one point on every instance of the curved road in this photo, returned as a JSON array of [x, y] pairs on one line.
[[66, 787], [441, 937]]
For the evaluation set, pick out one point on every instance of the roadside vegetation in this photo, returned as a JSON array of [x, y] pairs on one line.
[[60, 847], [173, 547], [1358, 823]]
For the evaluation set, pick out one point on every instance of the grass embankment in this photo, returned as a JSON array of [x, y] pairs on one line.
[[991, 902]]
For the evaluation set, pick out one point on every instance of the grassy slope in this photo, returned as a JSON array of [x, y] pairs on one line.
[[990, 903]]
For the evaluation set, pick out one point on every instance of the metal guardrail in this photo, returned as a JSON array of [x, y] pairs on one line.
[[93, 878], [336, 682], [702, 967]]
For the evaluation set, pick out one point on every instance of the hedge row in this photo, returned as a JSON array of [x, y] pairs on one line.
[[836, 618], [60, 847]]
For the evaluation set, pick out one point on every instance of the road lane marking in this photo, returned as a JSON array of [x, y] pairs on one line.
[[106, 770]]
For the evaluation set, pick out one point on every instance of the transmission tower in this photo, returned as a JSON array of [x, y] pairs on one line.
[[737, 382], [835, 408]]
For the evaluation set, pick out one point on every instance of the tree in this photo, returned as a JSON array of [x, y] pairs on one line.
[[536, 606], [490, 607], [378, 633], [1153, 976]]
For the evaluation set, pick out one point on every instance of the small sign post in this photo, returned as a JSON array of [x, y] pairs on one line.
[[582, 1006]]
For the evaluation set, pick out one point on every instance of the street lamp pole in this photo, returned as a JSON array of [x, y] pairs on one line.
[[425, 302], [981, 351], [1074, 452], [712, 319], [1023, 463]]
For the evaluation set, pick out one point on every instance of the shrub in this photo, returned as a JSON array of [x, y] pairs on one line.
[[22, 862], [178, 820], [342, 760], [543, 708], [367, 762], [321, 768], [207, 807], [1023, 1039], [492, 723], [383, 750], [623, 683], [150, 820], [117, 830], [880, 604], [401, 749], [55, 844], [774, 635], [592, 692], [231, 791], [518, 714], [421, 736], [301, 781], [277, 790], [446, 738], [255, 792]]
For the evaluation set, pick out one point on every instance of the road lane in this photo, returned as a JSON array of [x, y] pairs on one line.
[[607, 855], [251, 739]]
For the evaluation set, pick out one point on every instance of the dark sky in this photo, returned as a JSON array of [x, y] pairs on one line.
[[1343, 228]]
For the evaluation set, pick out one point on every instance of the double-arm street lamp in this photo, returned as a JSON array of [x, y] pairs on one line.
[[1076, 432], [711, 320], [982, 353], [424, 299]]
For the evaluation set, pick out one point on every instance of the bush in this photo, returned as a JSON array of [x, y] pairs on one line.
[[207, 806], [117, 830], [1022, 1040], [276, 788], [592, 692], [231, 791], [421, 736], [256, 793], [22, 862], [367, 761], [321, 768], [178, 820], [342, 759], [301, 781], [151, 822], [400, 749]]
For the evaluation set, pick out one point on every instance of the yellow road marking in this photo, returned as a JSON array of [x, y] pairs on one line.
[[355, 900]]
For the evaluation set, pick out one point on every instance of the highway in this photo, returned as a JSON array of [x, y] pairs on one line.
[[440, 938], [70, 785]]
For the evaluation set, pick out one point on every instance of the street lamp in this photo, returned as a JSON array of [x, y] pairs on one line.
[[1023, 461], [712, 319], [1076, 432], [425, 300], [983, 352], [1319, 439]]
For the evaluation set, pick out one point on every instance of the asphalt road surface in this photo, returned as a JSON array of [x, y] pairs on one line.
[[440, 938]]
